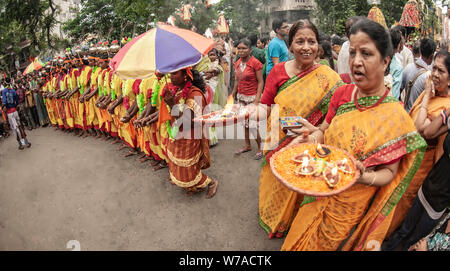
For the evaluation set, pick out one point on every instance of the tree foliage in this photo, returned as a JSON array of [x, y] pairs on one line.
[[202, 17], [332, 14], [31, 20], [112, 19], [244, 16]]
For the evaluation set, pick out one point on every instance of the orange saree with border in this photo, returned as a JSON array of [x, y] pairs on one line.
[[307, 95], [432, 155], [358, 218]]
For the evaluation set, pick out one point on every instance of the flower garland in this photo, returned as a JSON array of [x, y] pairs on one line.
[[173, 131], [100, 83], [155, 92], [106, 83], [184, 92], [140, 97]]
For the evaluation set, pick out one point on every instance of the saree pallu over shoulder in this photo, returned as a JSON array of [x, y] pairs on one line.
[[358, 218], [307, 95], [433, 154], [435, 106]]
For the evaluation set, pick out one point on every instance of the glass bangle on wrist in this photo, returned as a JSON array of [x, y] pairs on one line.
[[444, 117]]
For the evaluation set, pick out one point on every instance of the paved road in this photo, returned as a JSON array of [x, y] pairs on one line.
[[67, 188]]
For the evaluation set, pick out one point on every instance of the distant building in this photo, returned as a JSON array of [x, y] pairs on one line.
[[68, 9], [16, 63]]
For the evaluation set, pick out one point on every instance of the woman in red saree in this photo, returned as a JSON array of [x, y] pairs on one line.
[[187, 149]]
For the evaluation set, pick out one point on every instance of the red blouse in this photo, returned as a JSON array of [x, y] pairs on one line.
[[341, 96], [276, 78], [248, 83]]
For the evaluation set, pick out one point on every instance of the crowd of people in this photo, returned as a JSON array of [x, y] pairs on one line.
[[384, 104], [367, 93]]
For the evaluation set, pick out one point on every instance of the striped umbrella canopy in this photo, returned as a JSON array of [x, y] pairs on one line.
[[164, 49], [35, 65], [376, 15]]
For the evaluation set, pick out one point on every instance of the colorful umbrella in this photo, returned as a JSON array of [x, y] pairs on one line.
[[35, 65], [164, 49], [411, 15], [376, 15]]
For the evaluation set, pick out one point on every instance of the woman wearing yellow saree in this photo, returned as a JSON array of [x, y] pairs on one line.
[[129, 135], [147, 120], [368, 123], [59, 107], [114, 109], [49, 102], [427, 107], [89, 99], [66, 87], [83, 81], [298, 88]]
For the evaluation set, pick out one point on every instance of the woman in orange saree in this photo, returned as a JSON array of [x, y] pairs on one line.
[[154, 133], [83, 80], [426, 108], [114, 110], [129, 135], [147, 121], [89, 101], [297, 88], [187, 149], [368, 123]]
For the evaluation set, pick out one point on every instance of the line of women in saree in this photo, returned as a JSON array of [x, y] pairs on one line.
[[91, 96], [362, 118]]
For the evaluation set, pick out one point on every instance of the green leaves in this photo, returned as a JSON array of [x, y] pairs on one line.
[[333, 14], [113, 19], [245, 15], [20, 21]]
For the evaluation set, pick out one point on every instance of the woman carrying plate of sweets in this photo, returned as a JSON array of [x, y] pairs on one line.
[[367, 122]]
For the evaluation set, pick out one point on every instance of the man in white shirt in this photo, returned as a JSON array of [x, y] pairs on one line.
[[342, 62], [405, 55]]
